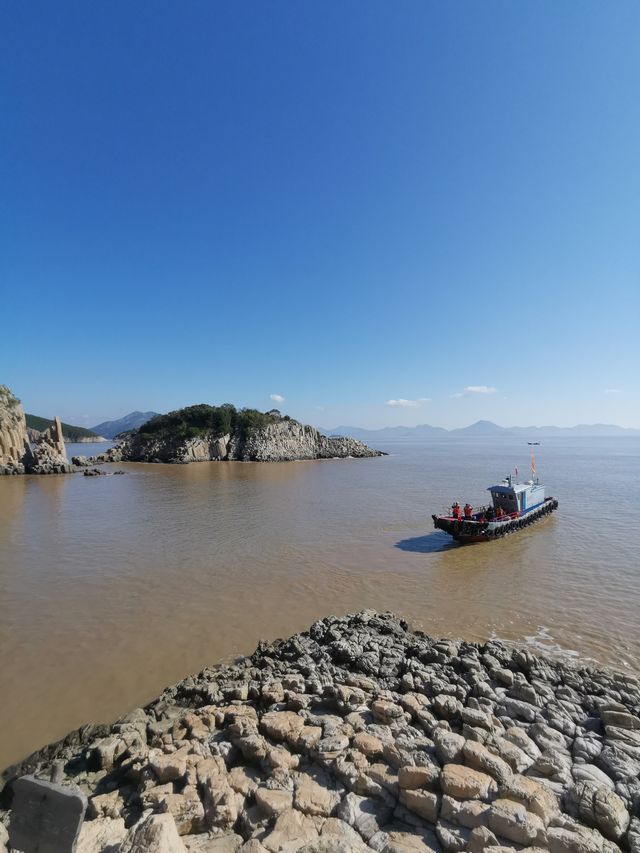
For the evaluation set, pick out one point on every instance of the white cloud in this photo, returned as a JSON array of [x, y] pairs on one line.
[[480, 389], [408, 404], [612, 391], [474, 389], [277, 398]]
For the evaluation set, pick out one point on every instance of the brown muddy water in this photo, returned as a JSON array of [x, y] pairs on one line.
[[113, 587]]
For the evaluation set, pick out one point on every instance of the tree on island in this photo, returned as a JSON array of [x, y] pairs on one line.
[[203, 419]]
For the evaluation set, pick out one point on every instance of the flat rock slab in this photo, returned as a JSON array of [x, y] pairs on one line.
[[45, 818]]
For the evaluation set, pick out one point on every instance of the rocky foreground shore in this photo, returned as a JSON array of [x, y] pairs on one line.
[[361, 735]]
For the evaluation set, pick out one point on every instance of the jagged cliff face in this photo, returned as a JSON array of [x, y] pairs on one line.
[[143, 448], [288, 440], [284, 441], [47, 456], [14, 444]]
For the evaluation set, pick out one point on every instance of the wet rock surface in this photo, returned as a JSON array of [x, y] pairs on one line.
[[361, 735]]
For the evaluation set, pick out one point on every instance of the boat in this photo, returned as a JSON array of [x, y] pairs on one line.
[[514, 506], [534, 443]]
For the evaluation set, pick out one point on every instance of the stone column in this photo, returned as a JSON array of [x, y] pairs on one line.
[[58, 437], [14, 444]]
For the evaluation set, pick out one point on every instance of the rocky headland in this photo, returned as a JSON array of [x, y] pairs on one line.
[[361, 735], [206, 433], [47, 455], [14, 441]]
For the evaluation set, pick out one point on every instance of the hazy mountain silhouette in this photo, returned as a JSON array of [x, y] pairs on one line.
[[478, 429], [109, 429]]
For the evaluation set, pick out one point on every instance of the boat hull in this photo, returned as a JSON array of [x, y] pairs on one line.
[[466, 530]]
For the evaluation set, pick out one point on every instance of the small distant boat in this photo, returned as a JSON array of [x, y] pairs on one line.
[[534, 443], [514, 506]]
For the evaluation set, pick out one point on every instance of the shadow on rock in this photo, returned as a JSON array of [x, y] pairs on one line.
[[429, 544]]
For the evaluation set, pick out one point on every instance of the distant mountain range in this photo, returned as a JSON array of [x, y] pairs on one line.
[[110, 429], [477, 430]]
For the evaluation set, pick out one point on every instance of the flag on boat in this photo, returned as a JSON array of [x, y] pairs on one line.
[[533, 465]]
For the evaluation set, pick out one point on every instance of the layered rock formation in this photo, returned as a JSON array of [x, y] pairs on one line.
[[290, 440], [14, 442], [283, 441], [360, 735], [46, 456]]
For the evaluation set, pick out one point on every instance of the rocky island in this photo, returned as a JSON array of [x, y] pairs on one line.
[[361, 735], [205, 433]]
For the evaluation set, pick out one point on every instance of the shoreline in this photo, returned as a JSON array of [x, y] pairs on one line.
[[360, 734]]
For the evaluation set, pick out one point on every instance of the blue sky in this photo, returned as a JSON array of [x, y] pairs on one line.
[[343, 204]]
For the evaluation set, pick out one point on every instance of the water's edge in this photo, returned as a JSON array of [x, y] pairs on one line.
[[359, 715]]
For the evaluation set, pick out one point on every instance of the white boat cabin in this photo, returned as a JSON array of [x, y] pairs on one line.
[[516, 497]]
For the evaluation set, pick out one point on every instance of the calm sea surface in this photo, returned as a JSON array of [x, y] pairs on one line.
[[113, 587]]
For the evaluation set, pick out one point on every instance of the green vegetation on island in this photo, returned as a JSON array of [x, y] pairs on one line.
[[70, 433], [202, 419], [205, 433]]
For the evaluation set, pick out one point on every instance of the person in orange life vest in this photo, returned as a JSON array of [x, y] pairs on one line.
[[468, 510], [499, 512], [456, 512]]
